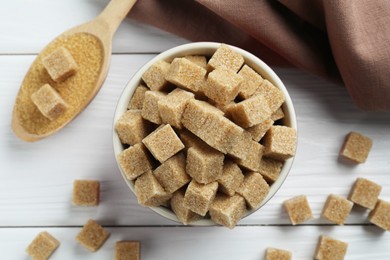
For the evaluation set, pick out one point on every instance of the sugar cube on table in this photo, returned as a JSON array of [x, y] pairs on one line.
[[277, 254], [43, 246], [380, 215], [86, 193], [336, 209], [127, 250], [298, 209], [356, 147], [92, 236], [365, 193], [330, 248]]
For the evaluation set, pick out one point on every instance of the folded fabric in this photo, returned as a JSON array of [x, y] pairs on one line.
[[341, 40]]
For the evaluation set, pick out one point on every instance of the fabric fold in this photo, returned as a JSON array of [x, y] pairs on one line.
[[345, 41]]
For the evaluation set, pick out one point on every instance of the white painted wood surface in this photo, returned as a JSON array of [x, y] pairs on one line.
[[36, 178]]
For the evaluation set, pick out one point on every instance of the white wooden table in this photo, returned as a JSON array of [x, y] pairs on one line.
[[36, 178]]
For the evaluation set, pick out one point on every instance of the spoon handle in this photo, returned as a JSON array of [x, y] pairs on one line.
[[115, 12]]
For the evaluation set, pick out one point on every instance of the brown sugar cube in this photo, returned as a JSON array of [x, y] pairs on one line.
[[380, 216], [210, 125], [225, 56], [185, 74], [132, 128], [171, 174], [154, 77], [365, 193], [198, 197], [272, 95], [231, 178], [127, 250], [277, 115], [43, 246], [227, 210], [150, 107], [204, 164], [171, 107], [251, 111], [163, 143], [60, 64], [270, 169], [49, 102], [86, 193], [198, 60], [280, 142], [336, 209], [252, 81], [242, 146], [329, 248], [189, 139], [184, 215], [134, 161], [92, 236], [298, 209], [277, 254], [356, 147], [254, 189], [137, 100], [259, 130], [149, 191], [254, 153], [222, 85]]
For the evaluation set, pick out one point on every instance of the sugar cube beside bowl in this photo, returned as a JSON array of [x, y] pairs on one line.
[[206, 49]]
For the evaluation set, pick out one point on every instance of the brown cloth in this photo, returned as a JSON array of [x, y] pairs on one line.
[[341, 40]]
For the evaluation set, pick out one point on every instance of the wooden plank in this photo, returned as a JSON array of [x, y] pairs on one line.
[[28, 26], [205, 243], [36, 178]]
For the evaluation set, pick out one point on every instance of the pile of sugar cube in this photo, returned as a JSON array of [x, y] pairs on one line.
[[203, 136]]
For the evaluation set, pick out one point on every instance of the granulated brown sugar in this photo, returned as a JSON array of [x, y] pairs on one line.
[[87, 51]]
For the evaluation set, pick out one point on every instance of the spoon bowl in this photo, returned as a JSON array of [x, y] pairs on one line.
[[90, 45]]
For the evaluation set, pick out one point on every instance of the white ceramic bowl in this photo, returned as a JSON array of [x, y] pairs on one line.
[[207, 49]]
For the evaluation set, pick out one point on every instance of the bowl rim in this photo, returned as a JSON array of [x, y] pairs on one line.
[[206, 48]]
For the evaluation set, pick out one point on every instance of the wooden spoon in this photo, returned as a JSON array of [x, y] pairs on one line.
[[90, 45]]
